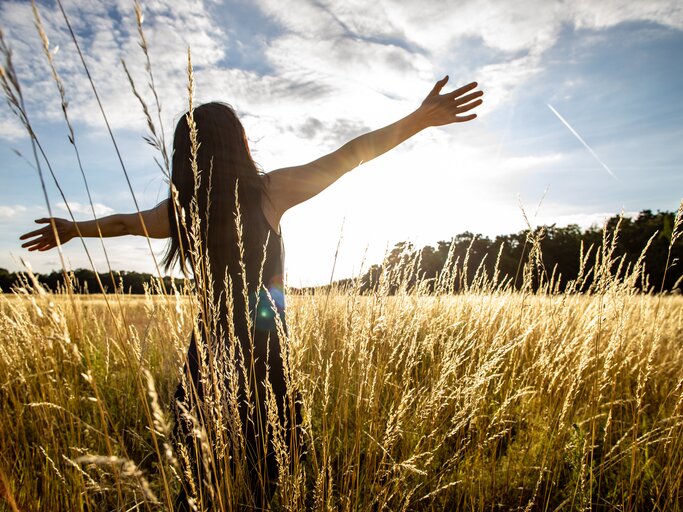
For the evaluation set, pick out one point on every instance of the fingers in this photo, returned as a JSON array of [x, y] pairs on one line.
[[462, 90], [464, 119], [468, 106], [37, 231], [42, 239], [38, 245], [37, 241], [466, 99], [464, 102], [438, 86], [32, 234]]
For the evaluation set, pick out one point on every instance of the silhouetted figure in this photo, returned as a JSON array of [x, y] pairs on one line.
[[222, 218]]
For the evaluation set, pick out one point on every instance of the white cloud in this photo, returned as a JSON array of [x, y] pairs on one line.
[[85, 209], [582, 219], [500, 80], [10, 212], [333, 50], [107, 33], [10, 128], [589, 14], [531, 162], [320, 36], [393, 48], [303, 17], [386, 68]]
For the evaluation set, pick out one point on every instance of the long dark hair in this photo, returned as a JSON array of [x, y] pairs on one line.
[[202, 208]]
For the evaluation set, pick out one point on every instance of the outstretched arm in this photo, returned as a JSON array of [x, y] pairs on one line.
[[290, 186], [153, 223]]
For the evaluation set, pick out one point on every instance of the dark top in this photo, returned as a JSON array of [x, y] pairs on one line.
[[266, 306], [267, 301], [266, 343]]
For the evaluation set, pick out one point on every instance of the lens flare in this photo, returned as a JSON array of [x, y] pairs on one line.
[[267, 304]]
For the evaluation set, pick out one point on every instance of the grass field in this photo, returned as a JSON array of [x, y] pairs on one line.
[[418, 399], [486, 400]]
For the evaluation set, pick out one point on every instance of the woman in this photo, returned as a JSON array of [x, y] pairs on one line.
[[223, 221]]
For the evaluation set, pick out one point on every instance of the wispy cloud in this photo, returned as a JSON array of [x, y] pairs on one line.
[[337, 132], [10, 128], [415, 39], [10, 212], [325, 49], [107, 33], [85, 209], [555, 215], [531, 162]]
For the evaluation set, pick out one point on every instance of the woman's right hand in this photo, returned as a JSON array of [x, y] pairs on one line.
[[441, 109], [43, 239]]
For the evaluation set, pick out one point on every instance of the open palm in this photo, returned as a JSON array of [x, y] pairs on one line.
[[441, 109], [43, 239]]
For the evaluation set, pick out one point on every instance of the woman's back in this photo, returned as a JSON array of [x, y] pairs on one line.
[[244, 353]]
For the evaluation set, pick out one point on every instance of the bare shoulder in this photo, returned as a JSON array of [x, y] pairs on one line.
[[279, 179], [289, 186]]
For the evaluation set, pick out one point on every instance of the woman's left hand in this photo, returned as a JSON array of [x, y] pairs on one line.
[[44, 239], [441, 109]]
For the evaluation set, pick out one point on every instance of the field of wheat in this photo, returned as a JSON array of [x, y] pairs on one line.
[[491, 399]]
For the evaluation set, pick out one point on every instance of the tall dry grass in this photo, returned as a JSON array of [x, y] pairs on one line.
[[491, 399]]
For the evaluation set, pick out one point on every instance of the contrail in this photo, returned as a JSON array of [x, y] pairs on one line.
[[564, 122]]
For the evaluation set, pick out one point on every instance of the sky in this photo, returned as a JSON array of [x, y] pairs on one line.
[[582, 119]]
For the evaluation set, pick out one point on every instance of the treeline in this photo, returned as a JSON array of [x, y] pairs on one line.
[[556, 254], [86, 281], [555, 251]]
